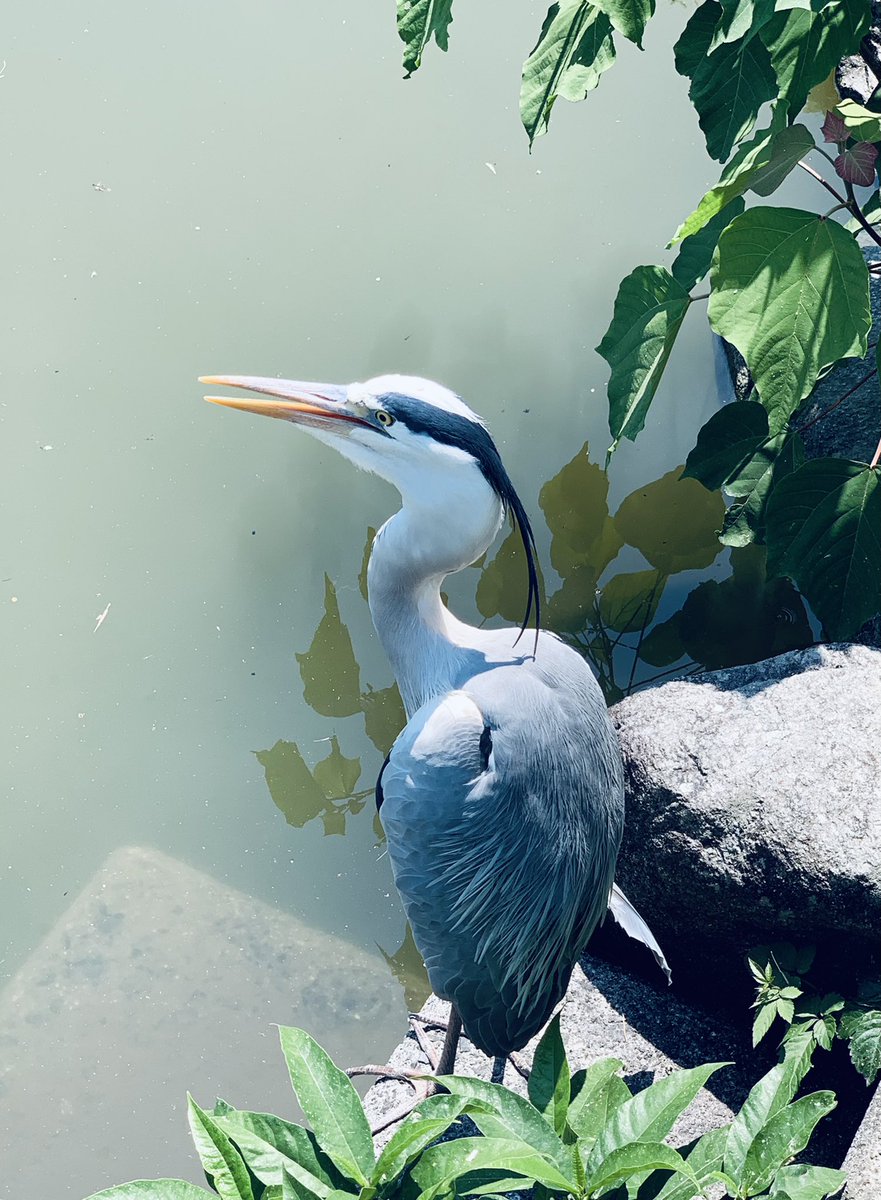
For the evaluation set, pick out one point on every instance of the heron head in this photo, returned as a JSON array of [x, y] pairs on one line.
[[418, 435]]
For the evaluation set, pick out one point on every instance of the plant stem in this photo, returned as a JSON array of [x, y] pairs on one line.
[[850, 203], [840, 400]]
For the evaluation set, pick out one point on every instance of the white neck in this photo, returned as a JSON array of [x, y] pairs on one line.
[[412, 554]]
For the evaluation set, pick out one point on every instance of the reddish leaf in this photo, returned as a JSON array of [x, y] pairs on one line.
[[857, 165], [834, 128]]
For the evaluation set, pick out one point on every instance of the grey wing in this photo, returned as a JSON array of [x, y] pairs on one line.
[[503, 861]]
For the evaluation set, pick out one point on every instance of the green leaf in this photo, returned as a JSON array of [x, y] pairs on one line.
[[220, 1159], [750, 158], [822, 531], [410, 1139], [629, 17], [330, 1103], [694, 43], [673, 523], [863, 124], [573, 50], [513, 1114], [791, 291], [649, 310], [803, 1182], [788, 146], [650, 1114], [726, 443], [269, 1143], [549, 1078], [805, 45], [639, 1158], [773, 460], [863, 1032], [785, 1135], [337, 775], [764, 1019], [295, 1185], [152, 1189], [589, 1090], [576, 509], [741, 17], [628, 602], [418, 22], [451, 1160], [704, 1160], [767, 1097], [329, 669], [696, 252], [728, 89]]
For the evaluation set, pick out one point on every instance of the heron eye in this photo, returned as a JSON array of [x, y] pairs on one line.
[[384, 418]]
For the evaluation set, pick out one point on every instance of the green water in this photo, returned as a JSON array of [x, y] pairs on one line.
[[229, 188]]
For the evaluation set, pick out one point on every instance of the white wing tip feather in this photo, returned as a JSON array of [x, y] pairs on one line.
[[634, 926]]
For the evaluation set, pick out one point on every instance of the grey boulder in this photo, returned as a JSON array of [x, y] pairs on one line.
[[754, 809]]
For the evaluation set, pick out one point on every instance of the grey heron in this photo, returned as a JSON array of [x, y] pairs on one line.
[[502, 799]]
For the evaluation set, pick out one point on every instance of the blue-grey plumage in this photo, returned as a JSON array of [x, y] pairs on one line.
[[502, 799]]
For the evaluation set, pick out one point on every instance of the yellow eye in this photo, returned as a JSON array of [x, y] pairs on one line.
[[384, 417]]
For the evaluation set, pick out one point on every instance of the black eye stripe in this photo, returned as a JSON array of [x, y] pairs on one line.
[[452, 429]]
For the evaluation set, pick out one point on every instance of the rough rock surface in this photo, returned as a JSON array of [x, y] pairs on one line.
[[754, 807], [863, 1162], [609, 1013]]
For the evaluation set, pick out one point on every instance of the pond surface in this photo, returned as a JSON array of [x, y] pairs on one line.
[[195, 707]]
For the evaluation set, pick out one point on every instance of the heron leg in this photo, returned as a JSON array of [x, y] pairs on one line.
[[516, 1060], [451, 1043]]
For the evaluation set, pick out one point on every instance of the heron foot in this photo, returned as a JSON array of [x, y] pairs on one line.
[[422, 1089], [419, 1022]]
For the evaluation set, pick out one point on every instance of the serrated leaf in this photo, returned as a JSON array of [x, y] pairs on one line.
[[752, 483], [787, 148], [834, 128], [733, 182], [822, 529], [672, 522], [791, 291], [649, 310], [548, 1085], [329, 669], [650, 1114], [219, 1157], [863, 1031], [785, 1135], [629, 17], [696, 38], [269, 1143], [418, 22], [573, 50], [696, 252], [726, 442], [152, 1189], [859, 122], [728, 89], [805, 45], [764, 1019], [594, 1096], [451, 1160], [785, 1010], [803, 1182], [337, 775], [629, 601], [857, 164], [330, 1103], [638, 1158]]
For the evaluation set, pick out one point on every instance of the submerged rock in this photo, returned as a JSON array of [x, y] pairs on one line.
[[754, 808]]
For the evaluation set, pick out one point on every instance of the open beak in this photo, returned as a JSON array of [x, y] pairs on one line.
[[320, 405]]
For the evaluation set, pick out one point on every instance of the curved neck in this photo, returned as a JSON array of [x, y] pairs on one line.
[[412, 554]]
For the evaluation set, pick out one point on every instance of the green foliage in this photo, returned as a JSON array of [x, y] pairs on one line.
[[814, 1018], [418, 22], [577, 1135]]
